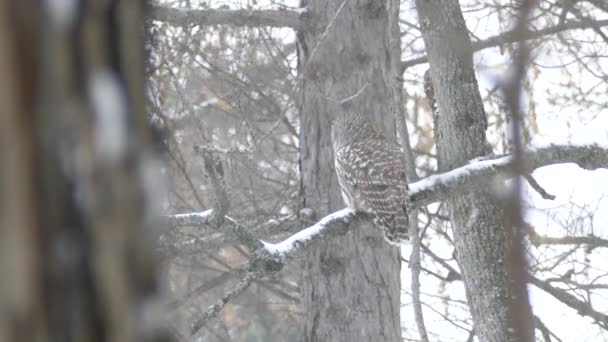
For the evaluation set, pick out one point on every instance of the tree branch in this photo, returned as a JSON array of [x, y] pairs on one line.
[[269, 258], [437, 187], [249, 18], [591, 241], [512, 37], [428, 190], [229, 226], [584, 309]]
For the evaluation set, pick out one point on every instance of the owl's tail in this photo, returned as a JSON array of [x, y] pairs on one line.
[[396, 232]]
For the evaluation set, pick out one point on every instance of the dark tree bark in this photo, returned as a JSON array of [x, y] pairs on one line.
[[351, 285], [75, 251], [482, 235]]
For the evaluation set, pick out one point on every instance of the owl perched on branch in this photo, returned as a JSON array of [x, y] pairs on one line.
[[371, 173]]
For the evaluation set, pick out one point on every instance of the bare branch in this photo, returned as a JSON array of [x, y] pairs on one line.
[[584, 309], [512, 37], [248, 18], [591, 241], [538, 188], [230, 226], [215, 309]]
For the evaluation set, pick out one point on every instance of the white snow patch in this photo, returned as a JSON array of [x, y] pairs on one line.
[[203, 215], [300, 10], [306, 234], [455, 174], [62, 12], [306, 212], [210, 102], [110, 108]]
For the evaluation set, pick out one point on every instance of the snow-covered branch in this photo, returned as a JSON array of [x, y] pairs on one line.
[[229, 226], [423, 192], [249, 18], [333, 223], [437, 187], [269, 258]]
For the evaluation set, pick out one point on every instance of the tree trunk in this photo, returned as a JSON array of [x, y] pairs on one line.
[[351, 285], [75, 259], [482, 238]]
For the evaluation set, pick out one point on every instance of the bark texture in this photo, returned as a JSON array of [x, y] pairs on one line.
[[351, 285], [75, 261], [482, 237]]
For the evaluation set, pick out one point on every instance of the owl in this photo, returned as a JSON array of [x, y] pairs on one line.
[[371, 173]]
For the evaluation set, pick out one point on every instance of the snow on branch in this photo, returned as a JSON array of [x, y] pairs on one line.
[[269, 258], [250, 18], [437, 187], [431, 189], [327, 225], [229, 226]]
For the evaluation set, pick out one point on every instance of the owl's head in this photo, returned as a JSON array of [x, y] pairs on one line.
[[350, 127]]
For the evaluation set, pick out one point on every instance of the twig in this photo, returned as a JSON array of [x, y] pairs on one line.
[[252, 18], [346, 99], [324, 34], [539, 189], [415, 286], [509, 37], [230, 226], [591, 241], [214, 310], [584, 309]]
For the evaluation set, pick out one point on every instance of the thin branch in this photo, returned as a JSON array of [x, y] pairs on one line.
[[415, 285], [584, 309], [214, 310], [230, 226], [591, 241], [249, 18], [511, 37], [538, 188]]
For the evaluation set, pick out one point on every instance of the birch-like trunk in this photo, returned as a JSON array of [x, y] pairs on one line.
[[482, 235]]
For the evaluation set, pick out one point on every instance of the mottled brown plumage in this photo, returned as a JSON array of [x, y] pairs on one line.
[[371, 173]]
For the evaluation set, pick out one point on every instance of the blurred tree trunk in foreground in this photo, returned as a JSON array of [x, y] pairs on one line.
[[483, 237], [76, 176]]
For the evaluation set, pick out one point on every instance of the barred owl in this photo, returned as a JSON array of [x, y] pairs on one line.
[[371, 173]]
